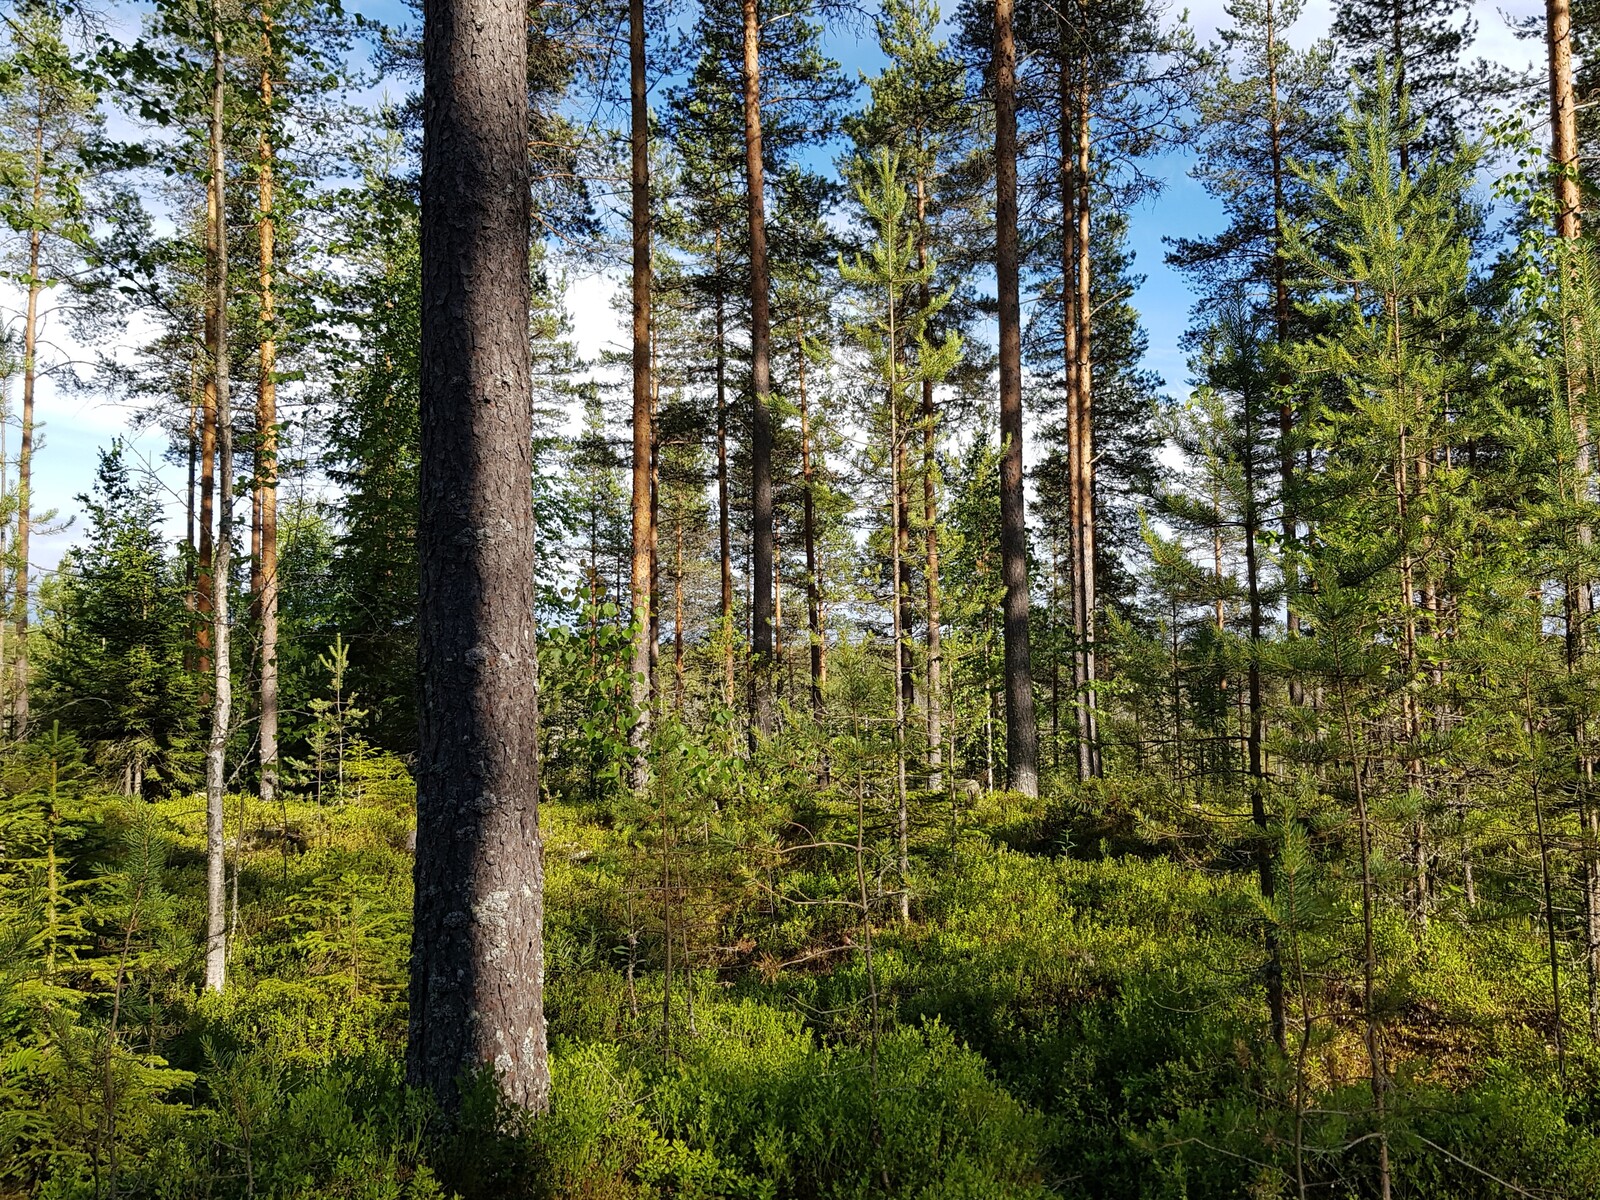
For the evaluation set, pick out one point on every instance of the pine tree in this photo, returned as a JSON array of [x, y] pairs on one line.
[[1022, 733], [644, 533], [1236, 441], [893, 278], [479, 902], [1397, 287], [1266, 107], [112, 670], [919, 110], [805, 330], [372, 443], [1420, 45], [47, 114]]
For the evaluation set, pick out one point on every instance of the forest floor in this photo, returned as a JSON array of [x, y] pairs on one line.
[[1075, 1008]]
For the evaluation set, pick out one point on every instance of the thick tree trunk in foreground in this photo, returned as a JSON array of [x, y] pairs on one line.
[[222, 679], [761, 713], [477, 961], [643, 523], [1022, 733]]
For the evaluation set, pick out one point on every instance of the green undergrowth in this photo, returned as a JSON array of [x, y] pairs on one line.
[[1054, 1020]]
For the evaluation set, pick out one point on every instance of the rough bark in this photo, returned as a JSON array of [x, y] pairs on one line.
[[477, 966], [761, 709], [222, 677], [1022, 733], [643, 525]]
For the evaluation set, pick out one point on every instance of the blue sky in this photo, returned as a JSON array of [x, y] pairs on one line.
[[76, 426]]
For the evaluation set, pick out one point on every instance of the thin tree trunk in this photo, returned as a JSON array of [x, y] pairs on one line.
[[1280, 310], [267, 448], [655, 522], [477, 966], [908, 672], [1055, 649], [1071, 322], [1369, 954], [930, 581], [639, 138], [1085, 443], [1022, 732], [1579, 598], [30, 373], [5, 709], [1255, 755], [930, 516], [897, 618], [1397, 56], [761, 711], [808, 521], [205, 582], [677, 615], [1546, 886], [222, 679], [724, 516], [780, 659]]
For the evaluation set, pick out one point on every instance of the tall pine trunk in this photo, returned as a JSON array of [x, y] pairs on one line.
[[266, 499], [1579, 589], [643, 525], [30, 375], [930, 521], [1280, 324], [222, 679], [1022, 731], [677, 613], [1084, 448], [205, 583], [808, 530], [1255, 751], [761, 710], [897, 620], [1071, 324], [477, 963], [724, 515], [908, 672]]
